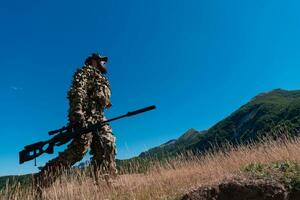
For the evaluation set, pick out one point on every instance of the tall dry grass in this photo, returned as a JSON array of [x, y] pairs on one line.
[[165, 181]]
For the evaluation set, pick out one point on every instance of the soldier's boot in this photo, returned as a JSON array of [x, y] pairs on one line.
[[55, 168], [103, 150]]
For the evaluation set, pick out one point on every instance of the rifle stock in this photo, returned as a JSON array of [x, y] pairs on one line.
[[32, 151]]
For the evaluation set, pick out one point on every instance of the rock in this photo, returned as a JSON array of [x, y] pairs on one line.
[[242, 189], [251, 190], [294, 195], [203, 193]]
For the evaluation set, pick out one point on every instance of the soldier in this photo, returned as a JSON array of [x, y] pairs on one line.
[[88, 96]]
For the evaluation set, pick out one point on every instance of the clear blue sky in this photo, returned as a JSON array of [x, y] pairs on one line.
[[197, 60]]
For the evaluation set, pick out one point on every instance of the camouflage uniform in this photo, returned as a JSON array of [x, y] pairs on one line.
[[88, 96]]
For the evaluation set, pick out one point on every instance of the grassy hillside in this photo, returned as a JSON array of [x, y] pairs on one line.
[[178, 176]]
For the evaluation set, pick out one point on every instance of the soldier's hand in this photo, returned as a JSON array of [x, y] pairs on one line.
[[77, 124], [109, 105], [77, 119], [72, 118]]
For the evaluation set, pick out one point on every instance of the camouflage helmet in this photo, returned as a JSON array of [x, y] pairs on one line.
[[95, 56]]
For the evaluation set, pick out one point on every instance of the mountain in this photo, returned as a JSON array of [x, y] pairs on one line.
[[273, 114], [23, 179], [188, 139]]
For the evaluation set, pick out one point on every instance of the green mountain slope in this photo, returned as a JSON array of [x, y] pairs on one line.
[[23, 179], [189, 138], [274, 113]]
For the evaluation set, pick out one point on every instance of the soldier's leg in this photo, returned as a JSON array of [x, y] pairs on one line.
[[54, 168], [103, 150]]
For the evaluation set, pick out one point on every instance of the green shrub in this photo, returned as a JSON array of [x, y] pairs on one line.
[[286, 172]]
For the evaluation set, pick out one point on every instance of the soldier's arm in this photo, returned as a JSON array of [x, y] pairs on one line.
[[76, 96], [108, 94], [103, 92]]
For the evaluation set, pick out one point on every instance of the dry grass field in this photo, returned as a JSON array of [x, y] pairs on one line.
[[165, 181]]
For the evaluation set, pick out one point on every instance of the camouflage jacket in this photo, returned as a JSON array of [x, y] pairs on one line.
[[88, 96]]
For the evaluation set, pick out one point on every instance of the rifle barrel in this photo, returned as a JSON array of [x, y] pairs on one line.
[[129, 114], [141, 110]]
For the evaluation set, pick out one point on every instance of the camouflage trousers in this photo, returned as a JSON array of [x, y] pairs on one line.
[[103, 151]]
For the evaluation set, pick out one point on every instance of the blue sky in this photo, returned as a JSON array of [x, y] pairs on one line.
[[197, 60]]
